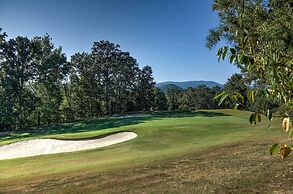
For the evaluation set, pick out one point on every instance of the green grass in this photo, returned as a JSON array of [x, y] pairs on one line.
[[161, 137]]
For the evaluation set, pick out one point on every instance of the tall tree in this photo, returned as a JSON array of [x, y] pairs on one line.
[[52, 68], [237, 84], [172, 95], [260, 33], [105, 56], [124, 82], [161, 102], [17, 69], [86, 86], [145, 89]]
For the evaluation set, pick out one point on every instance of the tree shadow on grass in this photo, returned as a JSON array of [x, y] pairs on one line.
[[105, 123], [180, 114]]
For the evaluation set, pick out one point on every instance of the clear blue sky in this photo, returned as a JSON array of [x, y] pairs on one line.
[[169, 35]]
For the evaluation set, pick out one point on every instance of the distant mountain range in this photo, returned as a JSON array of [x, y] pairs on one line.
[[165, 85]]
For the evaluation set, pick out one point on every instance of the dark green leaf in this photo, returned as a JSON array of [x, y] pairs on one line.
[[225, 51], [252, 118], [219, 54], [232, 57], [251, 60], [273, 148], [259, 118], [233, 51]]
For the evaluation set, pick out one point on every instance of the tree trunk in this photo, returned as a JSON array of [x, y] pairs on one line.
[[39, 119]]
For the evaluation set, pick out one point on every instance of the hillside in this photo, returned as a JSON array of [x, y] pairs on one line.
[[165, 85]]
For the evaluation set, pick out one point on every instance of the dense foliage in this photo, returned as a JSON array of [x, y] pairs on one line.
[[38, 86], [190, 99], [260, 33]]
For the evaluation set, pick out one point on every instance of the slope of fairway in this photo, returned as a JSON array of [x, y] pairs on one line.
[[160, 136]]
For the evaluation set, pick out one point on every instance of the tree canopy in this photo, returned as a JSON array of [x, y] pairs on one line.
[[39, 86], [260, 35]]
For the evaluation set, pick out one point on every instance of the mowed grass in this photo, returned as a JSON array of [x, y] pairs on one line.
[[134, 166]]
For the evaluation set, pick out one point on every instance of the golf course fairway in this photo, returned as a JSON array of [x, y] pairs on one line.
[[183, 144]]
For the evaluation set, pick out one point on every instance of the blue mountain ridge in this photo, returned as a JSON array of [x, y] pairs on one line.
[[186, 84]]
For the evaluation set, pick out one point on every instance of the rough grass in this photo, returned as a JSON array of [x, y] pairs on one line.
[[237, 168], [206, 151]]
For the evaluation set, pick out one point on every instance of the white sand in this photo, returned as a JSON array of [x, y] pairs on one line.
[[52, 146]]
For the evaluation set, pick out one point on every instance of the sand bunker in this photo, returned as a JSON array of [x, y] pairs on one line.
[[52, 146]]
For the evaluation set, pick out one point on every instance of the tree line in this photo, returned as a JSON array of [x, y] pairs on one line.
[[39, 86], [202, 97]]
